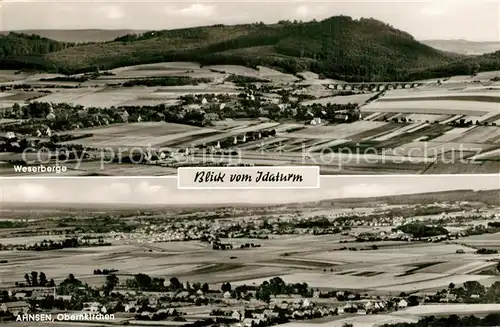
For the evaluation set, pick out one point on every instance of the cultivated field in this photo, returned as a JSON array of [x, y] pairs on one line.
[[459, 309], [358, 99], [138, 135], [437, 107]]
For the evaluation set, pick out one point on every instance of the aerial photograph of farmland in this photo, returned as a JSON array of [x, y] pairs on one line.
[[309, 83], [360, 251]]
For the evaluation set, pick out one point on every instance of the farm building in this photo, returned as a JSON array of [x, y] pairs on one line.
[[15, 308], [124, 116], [10, 135], [316, 121], [92, 306], [131, 307], [237, 315], [341, 117]]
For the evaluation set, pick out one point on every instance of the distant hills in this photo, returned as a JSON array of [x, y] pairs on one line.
[[102, 35], [464, 46], [487, 197], [79, 36], [338, 47]]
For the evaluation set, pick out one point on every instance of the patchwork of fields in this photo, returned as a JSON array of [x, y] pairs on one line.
[[453, 125], [387, 270], [402, 268]]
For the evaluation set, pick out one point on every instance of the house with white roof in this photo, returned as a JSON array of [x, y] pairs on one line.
[[315, 121], [237, 315]]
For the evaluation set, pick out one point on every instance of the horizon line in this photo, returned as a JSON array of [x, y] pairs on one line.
[[241, 23], [130, 205], [194, 26]]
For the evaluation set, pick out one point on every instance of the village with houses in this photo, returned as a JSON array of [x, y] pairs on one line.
[[240, 116]]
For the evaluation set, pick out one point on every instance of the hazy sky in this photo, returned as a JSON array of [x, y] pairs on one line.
[[153, 190], [477, 20]]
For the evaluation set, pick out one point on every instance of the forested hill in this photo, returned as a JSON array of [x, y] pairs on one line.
[[20, 44], [339, 47], [19, 50], [79, 36]]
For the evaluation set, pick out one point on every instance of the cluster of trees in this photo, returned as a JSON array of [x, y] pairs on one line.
[[481, 229], [99, 224], [64, 244], [78, 79], [12, 224], [486, 251], [70, 286], [68, 137], [22, 51], [348, 249], [36, 279], [420, 230], [144, 282], [249, 245], [244, 80], [276, 286], [222, 246], [111, 282], [49, 303], [470, 292], [226, 287], [104, 271], [315, 222], [318, 225], [341, 296]]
